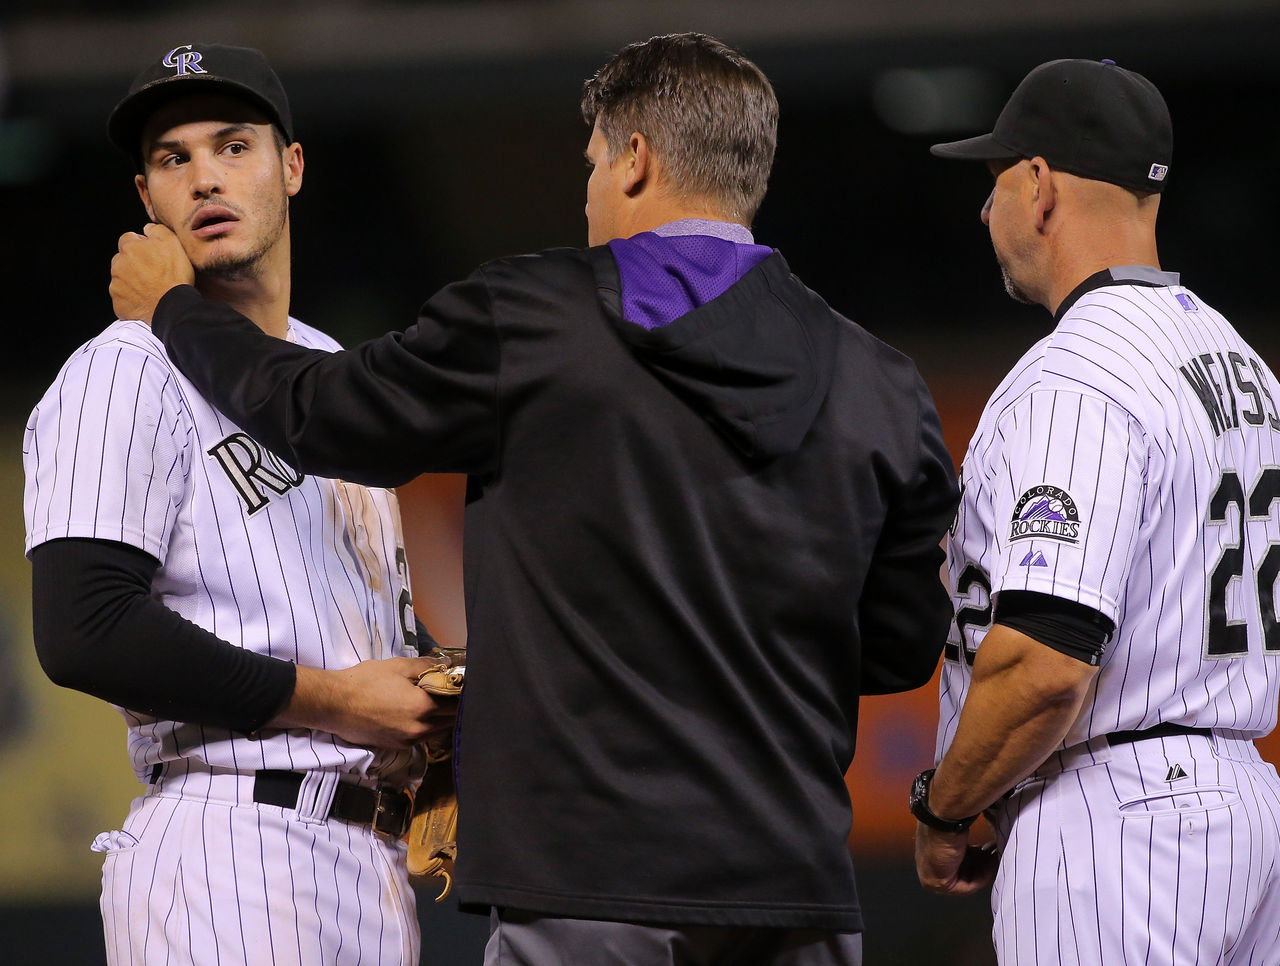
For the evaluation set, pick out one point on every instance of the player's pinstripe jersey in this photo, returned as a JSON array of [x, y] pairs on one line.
[[1131, 462], [308, 570]]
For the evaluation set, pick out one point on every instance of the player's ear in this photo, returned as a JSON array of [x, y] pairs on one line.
[[292, 159], [1043, 191], [140, 182], [639, 160]]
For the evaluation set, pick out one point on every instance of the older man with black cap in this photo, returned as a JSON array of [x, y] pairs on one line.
[[252, 624], [1114, 562]]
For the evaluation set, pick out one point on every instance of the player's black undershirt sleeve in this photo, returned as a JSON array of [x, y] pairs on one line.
[[1064, 625], [98, 630]]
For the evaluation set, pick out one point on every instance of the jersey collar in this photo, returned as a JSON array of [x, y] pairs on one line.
[[1121, 275]]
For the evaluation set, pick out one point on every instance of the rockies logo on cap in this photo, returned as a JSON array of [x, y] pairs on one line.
[[239, 72], [184, 59]]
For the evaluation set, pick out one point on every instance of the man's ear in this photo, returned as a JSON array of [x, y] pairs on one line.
[[639, 163], [1044, 195], [293, 169], [140, 182]]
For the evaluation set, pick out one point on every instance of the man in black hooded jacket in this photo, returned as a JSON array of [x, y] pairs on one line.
[[703, 517]]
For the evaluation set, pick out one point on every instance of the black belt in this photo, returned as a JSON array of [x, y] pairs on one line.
[[1166, 730], [388, 810]]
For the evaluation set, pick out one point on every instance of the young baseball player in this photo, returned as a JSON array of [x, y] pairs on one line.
[[1114, 564], [253, 624]]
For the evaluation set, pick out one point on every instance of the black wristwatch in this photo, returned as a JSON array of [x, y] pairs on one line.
[[919, 804]]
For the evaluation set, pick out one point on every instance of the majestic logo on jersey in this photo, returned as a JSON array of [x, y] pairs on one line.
[[254, 471], [187, 62], [1174, 773], [1033, 559], [1047, 512]]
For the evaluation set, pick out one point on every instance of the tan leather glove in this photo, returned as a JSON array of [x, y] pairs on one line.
[[433, 833]]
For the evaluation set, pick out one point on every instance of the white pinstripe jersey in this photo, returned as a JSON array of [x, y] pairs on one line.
[[1131, 462], [121, 447]]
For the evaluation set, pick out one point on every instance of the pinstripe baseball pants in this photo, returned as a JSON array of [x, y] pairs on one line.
[[1162, 851], [220, 879]]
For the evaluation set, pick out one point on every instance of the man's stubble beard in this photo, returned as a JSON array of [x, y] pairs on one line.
[[1011, 288], [248, 266]]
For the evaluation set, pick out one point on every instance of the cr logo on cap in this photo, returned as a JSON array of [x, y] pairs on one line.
[[187, 62]]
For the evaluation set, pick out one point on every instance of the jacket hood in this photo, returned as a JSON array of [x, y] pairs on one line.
[[752, 356]]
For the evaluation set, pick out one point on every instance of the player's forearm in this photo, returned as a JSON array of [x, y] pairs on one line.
[[314, 702], [375, 703], [1023, 699]]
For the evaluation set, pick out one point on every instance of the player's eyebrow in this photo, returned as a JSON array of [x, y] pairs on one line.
[[223, 132]]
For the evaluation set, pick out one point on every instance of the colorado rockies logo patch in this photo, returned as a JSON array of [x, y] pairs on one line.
[[1046, 512]]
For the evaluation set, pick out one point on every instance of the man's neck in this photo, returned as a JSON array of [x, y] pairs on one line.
[[1119, 245], [663, 211], [262, 297]]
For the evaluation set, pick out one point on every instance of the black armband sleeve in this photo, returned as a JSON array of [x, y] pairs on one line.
[[1064, 625], [98, 630]]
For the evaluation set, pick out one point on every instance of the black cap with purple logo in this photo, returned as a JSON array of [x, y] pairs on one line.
[[241, 72], [1089, 118]]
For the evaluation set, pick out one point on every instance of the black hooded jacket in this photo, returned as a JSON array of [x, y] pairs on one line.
[[688, 551]]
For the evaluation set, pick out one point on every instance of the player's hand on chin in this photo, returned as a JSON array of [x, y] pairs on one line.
[[946, 863], [375, 703], [146, 266]]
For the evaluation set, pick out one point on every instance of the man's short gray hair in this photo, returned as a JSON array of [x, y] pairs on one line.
[[709, 114]]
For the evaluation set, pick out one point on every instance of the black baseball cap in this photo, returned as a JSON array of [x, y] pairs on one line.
[[1089, 118], [241, 72]]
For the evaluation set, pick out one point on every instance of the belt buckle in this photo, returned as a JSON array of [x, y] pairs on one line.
[[383, 814]]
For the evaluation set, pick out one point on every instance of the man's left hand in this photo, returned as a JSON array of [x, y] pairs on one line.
[[946, 863], [145, 267]]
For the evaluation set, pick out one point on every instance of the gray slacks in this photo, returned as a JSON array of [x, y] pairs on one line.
[[520, 938]]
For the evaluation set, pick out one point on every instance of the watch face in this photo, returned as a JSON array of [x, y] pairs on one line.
[[920, 787], [920, 792]]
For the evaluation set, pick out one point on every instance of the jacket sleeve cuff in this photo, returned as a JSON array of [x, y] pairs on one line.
[[171, 308]]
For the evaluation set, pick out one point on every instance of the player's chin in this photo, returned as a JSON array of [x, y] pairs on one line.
[[227, 266], [1012, 288]]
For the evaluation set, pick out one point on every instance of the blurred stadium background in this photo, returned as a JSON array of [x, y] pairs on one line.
[[440, 134]]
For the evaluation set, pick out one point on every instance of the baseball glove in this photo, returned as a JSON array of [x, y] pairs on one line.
[[433, 833]]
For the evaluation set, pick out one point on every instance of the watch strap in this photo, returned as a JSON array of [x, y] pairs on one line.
[[919, 805]]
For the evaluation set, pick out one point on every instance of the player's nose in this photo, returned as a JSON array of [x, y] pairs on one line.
[[206, 176], [985, 214]]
